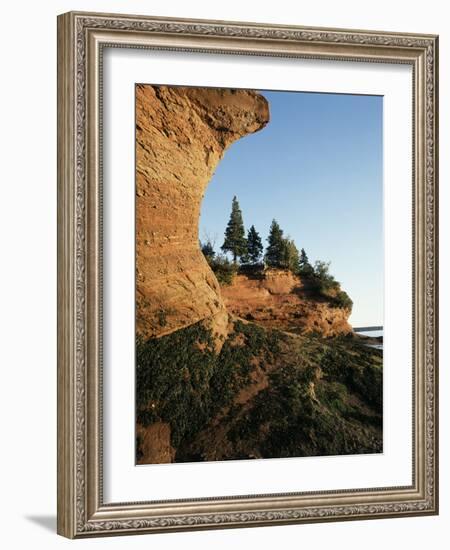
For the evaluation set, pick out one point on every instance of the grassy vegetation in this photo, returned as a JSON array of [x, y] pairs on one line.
[[324, 396]]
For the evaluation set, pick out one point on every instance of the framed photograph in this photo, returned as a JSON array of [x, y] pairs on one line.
[[247, 276]]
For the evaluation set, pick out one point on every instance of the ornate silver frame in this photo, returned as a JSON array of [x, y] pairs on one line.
[[81, 510]]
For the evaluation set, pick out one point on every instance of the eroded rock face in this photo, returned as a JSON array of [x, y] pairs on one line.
[[154, 443], [181, 135], [279, 299]]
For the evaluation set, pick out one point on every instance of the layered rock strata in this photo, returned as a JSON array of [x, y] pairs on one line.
[[181, 135], [279, 299]]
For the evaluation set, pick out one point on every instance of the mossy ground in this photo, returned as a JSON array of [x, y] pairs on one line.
[[320, 396]]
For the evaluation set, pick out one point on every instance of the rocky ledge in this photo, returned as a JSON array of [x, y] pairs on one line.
[[279, 299]]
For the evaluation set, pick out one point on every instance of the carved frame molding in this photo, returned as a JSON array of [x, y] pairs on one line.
[[81, 38]]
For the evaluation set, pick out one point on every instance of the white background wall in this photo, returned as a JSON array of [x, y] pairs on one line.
[[28, 271]]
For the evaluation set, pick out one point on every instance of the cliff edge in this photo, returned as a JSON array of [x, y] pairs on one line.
[[279, 299]]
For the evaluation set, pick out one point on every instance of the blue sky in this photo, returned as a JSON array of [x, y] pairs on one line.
[[317, 168]]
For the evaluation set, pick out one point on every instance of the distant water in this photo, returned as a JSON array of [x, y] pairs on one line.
[[373, 334]]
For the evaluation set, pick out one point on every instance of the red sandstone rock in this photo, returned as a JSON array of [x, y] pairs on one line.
[[279, 299], [181, 135], [154, 443]]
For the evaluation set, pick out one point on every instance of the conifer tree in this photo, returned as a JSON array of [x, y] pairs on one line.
[[254, 246], [305, 268], [290, 258], [274, 251], [303, 258], [235, 241], [208, 249]]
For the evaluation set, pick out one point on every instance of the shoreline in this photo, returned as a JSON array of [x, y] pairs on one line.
[[375, 342]]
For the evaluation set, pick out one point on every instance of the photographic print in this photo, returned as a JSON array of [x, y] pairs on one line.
[[247, 274], [259, 274]]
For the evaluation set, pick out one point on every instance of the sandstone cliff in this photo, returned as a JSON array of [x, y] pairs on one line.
[[279, 299], [181, 135]]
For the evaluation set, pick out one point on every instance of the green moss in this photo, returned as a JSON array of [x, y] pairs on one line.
[[172, 379], [356, 366], [326, 401], [181, 380], [324, 395]]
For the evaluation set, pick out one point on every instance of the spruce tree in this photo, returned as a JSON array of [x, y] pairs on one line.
[[290, 258], [274, 251], [235, 241], [254, 246], [208, 250], [303, 258], [306, 268]]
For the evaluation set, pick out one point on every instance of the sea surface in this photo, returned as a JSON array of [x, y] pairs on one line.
[[373, 334]]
